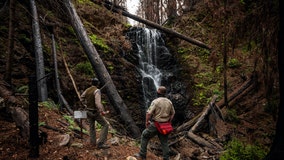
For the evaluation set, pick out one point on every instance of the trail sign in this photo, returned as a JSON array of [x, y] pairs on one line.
[[80, 114]]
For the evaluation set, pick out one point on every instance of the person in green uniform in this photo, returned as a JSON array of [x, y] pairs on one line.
[[160, 110], [91, 97]]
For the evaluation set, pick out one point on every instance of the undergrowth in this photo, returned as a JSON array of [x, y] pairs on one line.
[[237, 150]]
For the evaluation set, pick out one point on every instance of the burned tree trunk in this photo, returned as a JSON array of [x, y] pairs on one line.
[[101, 70], [10, 53], [39, 59]]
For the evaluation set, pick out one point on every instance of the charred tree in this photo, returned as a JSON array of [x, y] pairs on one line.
[[101, 70], [33, 118], [277, 148], [8, 72], [39, 59]]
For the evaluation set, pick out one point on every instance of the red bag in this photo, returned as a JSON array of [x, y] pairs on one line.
[[164, 127]]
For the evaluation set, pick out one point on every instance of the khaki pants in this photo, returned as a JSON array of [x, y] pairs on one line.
[[92, 117]]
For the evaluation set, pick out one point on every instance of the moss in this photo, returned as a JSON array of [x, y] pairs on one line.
[[99, 43]]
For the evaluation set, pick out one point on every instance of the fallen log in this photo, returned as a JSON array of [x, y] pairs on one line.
[[205, 113], [52, 128], [238, 93], [232, 98], [116, 9], [187, 125], [19, 115], [199, 140]]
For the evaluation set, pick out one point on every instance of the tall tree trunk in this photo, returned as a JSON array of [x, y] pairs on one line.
[[40, 72], [101, 70], [58, 89], [277, 148], [10, 55], [171, 11], [225, 55]]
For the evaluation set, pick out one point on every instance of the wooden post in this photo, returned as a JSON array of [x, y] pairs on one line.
[[33, 118]]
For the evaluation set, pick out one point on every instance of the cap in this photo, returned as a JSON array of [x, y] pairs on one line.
[[95, 81]]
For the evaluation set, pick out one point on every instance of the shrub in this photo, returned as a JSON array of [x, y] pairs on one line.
[[237, 150], [234, 63], [84, 67], [232, 116]]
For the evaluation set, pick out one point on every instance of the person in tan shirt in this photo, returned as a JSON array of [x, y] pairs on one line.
[[91, 98], [160, 110]]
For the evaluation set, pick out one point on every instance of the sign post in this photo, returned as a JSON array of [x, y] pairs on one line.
[[80, 115]]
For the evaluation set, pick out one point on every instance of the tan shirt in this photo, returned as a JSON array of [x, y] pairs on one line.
[[161, 109], [92, 98]]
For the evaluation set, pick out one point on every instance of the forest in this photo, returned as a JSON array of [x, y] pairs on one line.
[[219, 60]]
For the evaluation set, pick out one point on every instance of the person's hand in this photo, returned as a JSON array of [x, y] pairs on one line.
[[104, 113], [147, 124]]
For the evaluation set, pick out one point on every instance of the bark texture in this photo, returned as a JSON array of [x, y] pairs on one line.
[[101, 70]]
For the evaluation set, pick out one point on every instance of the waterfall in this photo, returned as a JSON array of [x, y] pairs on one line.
[[148, 57], [157, 66], [153, 59]]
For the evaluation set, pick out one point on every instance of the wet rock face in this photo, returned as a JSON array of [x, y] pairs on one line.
[[157, 66]]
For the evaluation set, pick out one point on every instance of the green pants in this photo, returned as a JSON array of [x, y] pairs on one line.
[[92, 117], [149, 133]]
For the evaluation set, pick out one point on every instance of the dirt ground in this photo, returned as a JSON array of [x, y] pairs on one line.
[[12, 146]]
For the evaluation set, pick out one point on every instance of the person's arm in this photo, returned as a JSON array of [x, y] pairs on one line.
[[148, 118], [172, 113], [98, 102], [83, 98]]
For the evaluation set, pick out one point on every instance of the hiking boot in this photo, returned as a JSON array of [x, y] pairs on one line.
[[103, 146], [139, 157]]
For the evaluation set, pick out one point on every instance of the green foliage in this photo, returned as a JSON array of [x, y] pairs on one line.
[[110, 68], [237, 150], [98, 126], [72, 124], [99, 43], [85, 68], [219, 69], [182, 50], [243, 2], [232, 116], [84, 1], [49, 104], [24, 38], [70, 30], [41, 124], [199, 99], [69, 119], [23, 89], [234, 63], [128, 25], [203, 54], [206, 87]]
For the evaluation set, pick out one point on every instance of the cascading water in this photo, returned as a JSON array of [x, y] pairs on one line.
[[157, 66], [154, 60]]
